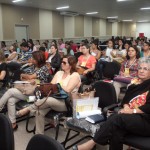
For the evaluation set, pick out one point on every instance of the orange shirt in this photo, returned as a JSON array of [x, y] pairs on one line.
[[86, 62]]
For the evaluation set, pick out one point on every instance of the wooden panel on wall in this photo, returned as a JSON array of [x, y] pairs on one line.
[[57, 25], [22, 16], [95, 26], [79, 26]]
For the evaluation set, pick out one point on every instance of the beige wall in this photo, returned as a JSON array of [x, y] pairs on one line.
[[119, 29], [102, 27], [129, 29], [108, 28], [57, 25], [12, 15], [45, 24], [69, 27], [1, 24], [95, 26], [79, 26], [87, 26]]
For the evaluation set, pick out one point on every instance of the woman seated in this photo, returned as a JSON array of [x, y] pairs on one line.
[[86, 63], [133, 118], [105, 58], [145, 52], [67, 50], [54, 59], [13, 56], [13, 95], [95, 49], [3, 70], [129, 68], [69, 80]]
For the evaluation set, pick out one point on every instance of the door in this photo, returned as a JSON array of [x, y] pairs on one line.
[[21, 32]]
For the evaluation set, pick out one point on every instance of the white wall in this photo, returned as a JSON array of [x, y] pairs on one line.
[[87, 26], [1, 24], [143, 28], [69, 27], [102, 28], [114, 28], [45, 24]]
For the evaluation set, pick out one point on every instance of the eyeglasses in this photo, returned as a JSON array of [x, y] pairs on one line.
[[144, 68], [63, 62]]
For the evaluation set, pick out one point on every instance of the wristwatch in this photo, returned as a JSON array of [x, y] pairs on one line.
[[134, 111]]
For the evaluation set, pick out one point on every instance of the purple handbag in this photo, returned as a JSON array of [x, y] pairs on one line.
[[123, 79]]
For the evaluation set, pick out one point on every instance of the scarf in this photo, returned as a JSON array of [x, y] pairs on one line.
[[134, 90]]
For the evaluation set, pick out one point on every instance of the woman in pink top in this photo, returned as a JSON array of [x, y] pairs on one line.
[[86, 61]]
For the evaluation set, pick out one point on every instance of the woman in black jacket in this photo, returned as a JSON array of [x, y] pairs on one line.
[[54, 59], [134, 117]]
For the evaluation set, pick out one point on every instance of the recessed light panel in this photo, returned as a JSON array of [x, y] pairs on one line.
[[127, 20], [112, 17], [63, 7], [145, 8], [15, 1], [91, 13]]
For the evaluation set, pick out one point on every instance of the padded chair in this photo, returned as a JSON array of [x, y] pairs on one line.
[[6, 134], [43, 142], [107, 96], [135, 141]]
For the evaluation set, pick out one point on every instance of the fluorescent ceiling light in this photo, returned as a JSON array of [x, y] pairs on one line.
[[127, 20], [145, 8], [63, 7], [113, 17], [91, 13], [143, 21], [15, 1], [121, 0]]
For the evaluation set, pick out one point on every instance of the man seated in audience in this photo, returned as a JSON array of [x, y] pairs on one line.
[[27, 54]]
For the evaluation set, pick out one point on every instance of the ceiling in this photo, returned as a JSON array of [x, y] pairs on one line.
[[125, 10]]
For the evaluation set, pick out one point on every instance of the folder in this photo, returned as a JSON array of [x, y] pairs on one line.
[[95, 118]]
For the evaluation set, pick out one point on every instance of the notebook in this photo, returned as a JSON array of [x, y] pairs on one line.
[[95, 118]]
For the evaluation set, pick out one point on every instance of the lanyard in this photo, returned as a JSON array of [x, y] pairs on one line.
[[131, 64]]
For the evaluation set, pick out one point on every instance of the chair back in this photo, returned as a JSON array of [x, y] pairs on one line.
[[106, 93], [43, 142], [6, 134]]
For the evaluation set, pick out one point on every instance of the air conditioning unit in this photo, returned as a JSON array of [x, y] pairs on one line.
[[112, 20], [69, 13]]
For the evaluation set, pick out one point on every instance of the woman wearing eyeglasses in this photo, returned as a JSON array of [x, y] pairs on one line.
[[69, 80], [133, 118]]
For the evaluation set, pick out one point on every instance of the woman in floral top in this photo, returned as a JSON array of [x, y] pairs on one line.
[[133, 118], [129, 68], [13, 95]]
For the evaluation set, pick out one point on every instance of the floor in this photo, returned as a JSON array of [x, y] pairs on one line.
[[22, 137]]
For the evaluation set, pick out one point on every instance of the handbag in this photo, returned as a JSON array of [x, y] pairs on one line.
[[84, 95], [123, 79], [81, 70], [25, 87], [49, 89]]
